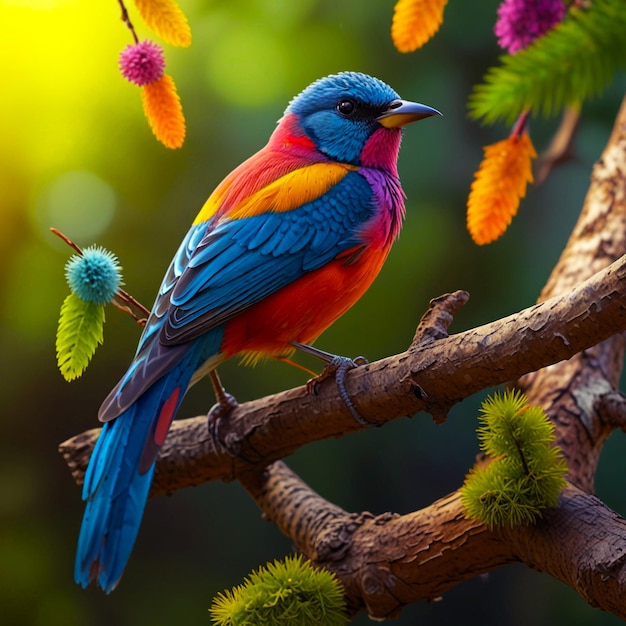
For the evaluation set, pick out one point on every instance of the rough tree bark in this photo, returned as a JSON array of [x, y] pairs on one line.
[[567, 352]]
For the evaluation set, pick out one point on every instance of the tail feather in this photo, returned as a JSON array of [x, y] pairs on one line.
[[118, 479], [115, 494]]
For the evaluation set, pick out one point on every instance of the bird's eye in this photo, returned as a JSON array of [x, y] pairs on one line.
[[346, 107]]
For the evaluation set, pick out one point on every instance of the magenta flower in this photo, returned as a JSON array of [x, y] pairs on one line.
[[142, 63], [520, 22]]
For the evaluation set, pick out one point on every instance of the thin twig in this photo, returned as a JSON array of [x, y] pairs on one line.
[[561, 148], [67, 240], [126, 20]]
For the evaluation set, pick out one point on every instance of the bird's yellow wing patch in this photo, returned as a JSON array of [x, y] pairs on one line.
[[284, 194], [213, 203]]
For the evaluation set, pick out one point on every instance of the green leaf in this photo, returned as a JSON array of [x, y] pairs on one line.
[[572, 62], [291, 591], [78, 334]]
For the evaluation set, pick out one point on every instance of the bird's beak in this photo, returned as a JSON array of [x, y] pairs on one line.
[[402, 112]]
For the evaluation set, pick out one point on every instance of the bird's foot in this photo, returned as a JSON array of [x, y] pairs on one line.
[[339, 366], [220, 411]]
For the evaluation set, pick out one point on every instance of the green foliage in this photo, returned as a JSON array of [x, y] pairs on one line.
[[574, 61], [78, 334], [527, 471], [291, 592]]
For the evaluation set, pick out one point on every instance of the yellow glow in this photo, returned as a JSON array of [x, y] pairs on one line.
[[55, 56], [39, 5], [62, 93]]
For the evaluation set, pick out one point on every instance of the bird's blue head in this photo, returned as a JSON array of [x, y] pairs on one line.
[[340, 114]]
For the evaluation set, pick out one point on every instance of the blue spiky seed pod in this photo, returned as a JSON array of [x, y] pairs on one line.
[[95, 276]]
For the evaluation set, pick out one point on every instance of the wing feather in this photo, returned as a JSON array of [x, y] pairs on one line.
[[259, 255], [226, 264]]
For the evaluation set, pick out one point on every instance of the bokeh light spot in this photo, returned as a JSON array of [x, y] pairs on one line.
[[78, 203]]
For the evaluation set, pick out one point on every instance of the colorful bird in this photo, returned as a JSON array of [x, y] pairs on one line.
[[286, 244]]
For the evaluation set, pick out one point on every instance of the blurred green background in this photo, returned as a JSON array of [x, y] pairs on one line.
[[77, 153]]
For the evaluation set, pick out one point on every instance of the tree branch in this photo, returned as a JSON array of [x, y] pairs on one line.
[[569, 391], [432, 375], [384, 561], [388, 561]]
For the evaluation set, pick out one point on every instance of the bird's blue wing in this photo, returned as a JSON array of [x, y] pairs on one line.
[[241, 262], [152, 359], [226, 265]]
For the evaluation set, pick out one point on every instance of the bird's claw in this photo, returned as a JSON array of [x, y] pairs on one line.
[[219, 411], [332, 367], [339, 366]]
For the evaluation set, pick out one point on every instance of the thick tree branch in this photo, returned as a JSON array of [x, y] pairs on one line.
[[569, 390], [432, 375], [384, 561], [387, 561]]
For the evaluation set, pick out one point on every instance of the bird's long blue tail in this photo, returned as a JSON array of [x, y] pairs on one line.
[[119, 476]]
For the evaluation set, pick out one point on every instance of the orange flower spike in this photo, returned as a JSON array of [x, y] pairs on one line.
[[499, 185], [415, 22], [167, 20], [162, 107]]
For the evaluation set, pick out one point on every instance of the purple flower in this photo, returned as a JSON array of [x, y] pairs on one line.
[[520, 22], [142, 63]]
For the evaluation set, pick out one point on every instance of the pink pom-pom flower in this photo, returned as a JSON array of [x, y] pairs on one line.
[[520, 22], [142, 63]]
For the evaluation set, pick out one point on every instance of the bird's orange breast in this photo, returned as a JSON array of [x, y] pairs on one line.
[[302, 310]]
